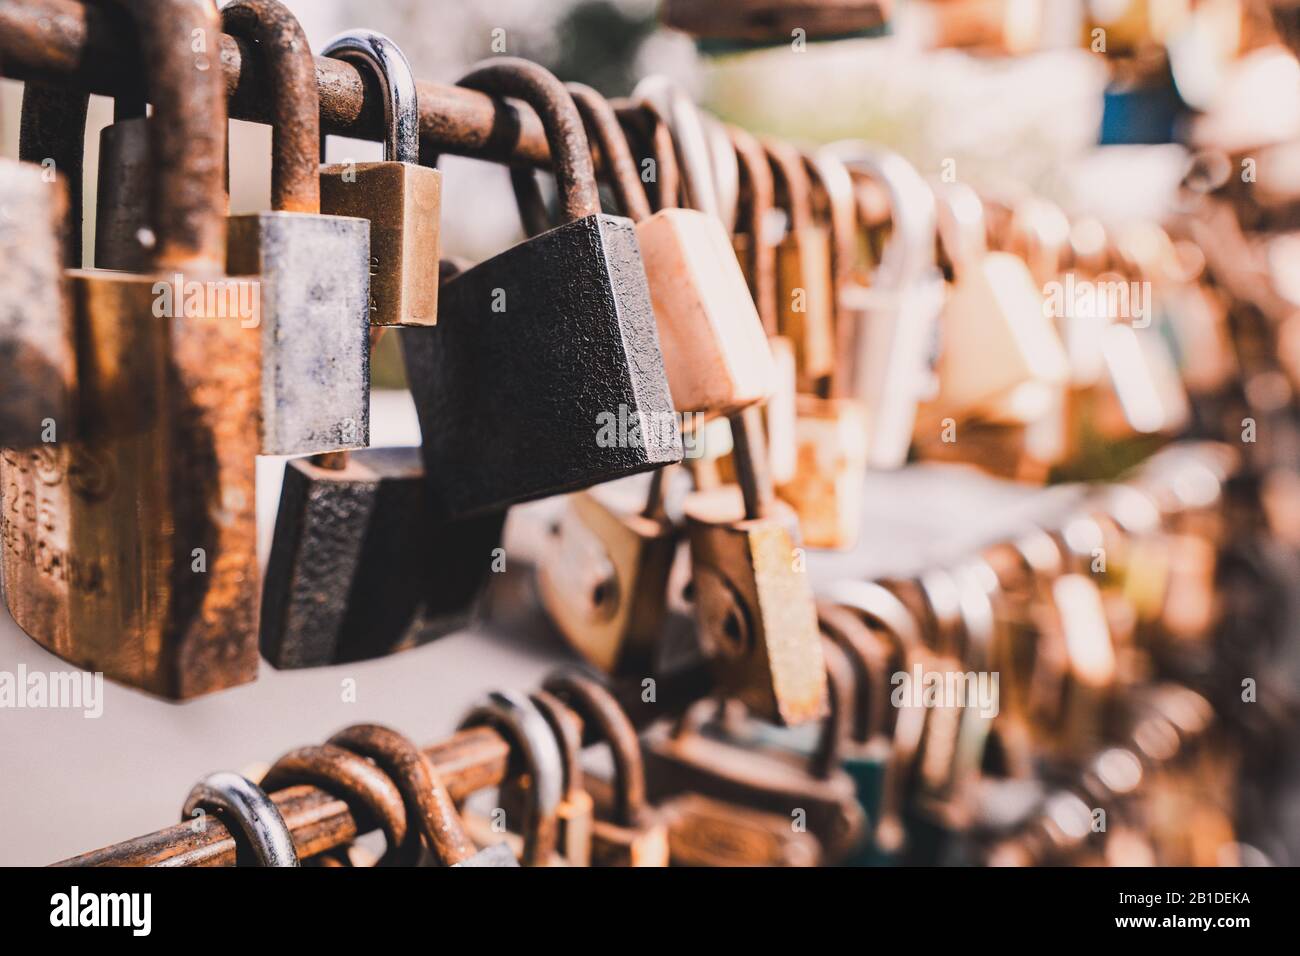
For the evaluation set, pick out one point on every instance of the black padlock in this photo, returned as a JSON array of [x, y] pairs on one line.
[[544, 373]]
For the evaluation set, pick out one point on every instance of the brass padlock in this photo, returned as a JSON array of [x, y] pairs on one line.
[[149, 574], [401, 198], [604, 579], [627, 833], [314, 270], [753, 602], [1000, 359], [564, 368], [715, 354], [803, 270], [827, 488]]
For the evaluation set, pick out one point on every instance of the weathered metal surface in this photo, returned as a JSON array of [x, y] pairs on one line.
[[359, 567]]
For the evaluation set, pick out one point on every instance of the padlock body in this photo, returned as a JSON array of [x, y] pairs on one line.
[[36, 346], [703, 831], [132, 551], [805, 302], [604, 583], [831, 467], [544, 373], [359, 568], [403, 202], [715, 352], [996, 340], [313, 281], [754, 608]]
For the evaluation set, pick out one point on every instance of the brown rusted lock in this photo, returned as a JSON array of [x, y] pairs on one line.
[[714, 350], [704, 831], [805, 297], [826, 489], [812, 792], [756, 251], [603, 580], [625, 832], [753, 601], [401, 198], [576, 813], [149, 573]]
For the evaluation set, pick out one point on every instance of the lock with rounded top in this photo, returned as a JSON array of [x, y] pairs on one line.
[[149, 574], [544, 373], [576, 813], [627, 833], [401, 199], [313, 271], [247, 812], [893, 354]]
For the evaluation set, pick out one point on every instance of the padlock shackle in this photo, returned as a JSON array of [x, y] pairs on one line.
[[181, 42], [962, 225], [53, 126], [286, 57], [601, 712], [356, 781], [245, 809], [840, 702], [691, 142], [792, 182], [575, 176], [726, 170], [758, 193], [601, 123], [831, 178], [428, 804], [644, 124], [373, 53], [869, 655], [530, 736], [567, 728]]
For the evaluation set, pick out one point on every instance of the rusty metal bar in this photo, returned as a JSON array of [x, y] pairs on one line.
[[66, 44]]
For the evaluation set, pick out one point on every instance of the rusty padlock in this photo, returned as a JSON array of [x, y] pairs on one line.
[[149, 574], [826, 489], [805, 292], [604, 579], [563, 369], [628, 833], [715, 354], [401, 199]]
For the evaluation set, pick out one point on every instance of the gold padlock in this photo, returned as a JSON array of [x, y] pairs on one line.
[[401, 198]]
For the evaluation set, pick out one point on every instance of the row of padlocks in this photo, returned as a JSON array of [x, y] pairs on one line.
[[748, 331]]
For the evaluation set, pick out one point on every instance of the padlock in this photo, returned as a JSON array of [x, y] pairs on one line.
[[576, 813], [826, 489], [604, 578], [803, 270], [1000, 358], [401, 198], [629, 834], [715, 354], [704, 831], [549, 347], [430, 812], [146, 573], [36, 346], [894, 354], [756, 251], [650, 138], [534, 752], [314, 270], [360, 567], [812, 791], [753, 602], [889, 788]]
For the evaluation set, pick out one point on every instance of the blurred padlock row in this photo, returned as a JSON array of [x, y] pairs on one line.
[[740, 327]]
